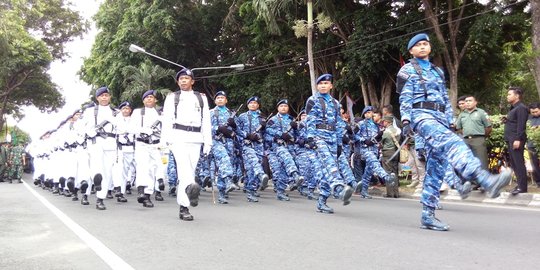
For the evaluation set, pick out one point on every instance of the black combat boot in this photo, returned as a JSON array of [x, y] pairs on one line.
[[221, 197], [158, 196], [172, 191], [193, 191], [109, 194], [97, 181], [298, 180], [75, 194], [84, 200], [184, 214], [147, 202], [264, 181], [140, 197], [121, 198], [55, 189], [128, 188], [161, 184], [322, 207], [62, 185], [100, 205], [429, 221], [345, 194], [251, 196], [84, 186]]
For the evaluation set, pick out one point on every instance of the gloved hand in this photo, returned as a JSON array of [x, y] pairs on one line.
[[407, 129], [254, 137], [453, 128], [300, 141], [311, 144], [294, 125], [346, 139], [286, 137], [222, 129], [369, 142], [231, 122], [339, 150], [379, 135], [349, 129], [263, 123]]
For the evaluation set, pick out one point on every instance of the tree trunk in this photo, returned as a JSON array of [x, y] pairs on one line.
[[364, 89], [535, 10], [310, 46], [372, 92], [386, 92]]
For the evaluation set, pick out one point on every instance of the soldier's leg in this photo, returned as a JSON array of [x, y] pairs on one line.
[[224, 172]]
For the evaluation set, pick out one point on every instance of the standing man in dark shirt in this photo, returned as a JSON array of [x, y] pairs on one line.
[[515, 136], [534, 122]]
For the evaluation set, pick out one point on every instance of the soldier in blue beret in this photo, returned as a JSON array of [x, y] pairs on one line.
[[426, 109], [126, 153], [279, 136], [324, 131], [250, 131]]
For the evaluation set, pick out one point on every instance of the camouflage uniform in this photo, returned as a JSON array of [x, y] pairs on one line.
[[16, 156]]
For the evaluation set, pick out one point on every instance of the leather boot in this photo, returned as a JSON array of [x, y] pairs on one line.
[[158, 196], [251, 196], [71, 184], [298, 180], [117, 192], [161, 185], [55, 189], [128, 188], [221, 197], [121, 198], [172, 191], [282, 196], [230, 186], [193, 191], [264, 181], [84, 200], [84, 186], [322, 207], [346, 194], [302, 191], [465, 190], [429, 221], [140, 197], [109, 194], [184, 214], [75, 194], [311, 194], [256, 194], [147, 202], [100, 205], [97, 181], [62, 185]]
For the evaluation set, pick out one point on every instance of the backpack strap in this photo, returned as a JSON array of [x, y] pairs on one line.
[[418, 70], [177, 100]]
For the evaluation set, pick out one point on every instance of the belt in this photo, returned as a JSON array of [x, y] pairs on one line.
[[187, 128], [473, 136], [148, 141], [107, 134], [326, 127], [430, 106]]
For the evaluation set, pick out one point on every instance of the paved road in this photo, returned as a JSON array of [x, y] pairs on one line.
[[368, 234]]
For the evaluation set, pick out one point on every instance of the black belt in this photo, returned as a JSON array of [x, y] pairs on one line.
[[148, 141], [430, 106], [326, 127], [473, 136], [126, 144], [187, 128], [107, 134]]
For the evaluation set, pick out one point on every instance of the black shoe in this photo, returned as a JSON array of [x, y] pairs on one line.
[[158, 197], [100, 205], [84, 200], [121, 198], [19, 181], [147, 202], [128, 191], [184, 214], [84, 186], [109, 195], [161, 185], [172, 191], [264, 181], [71, 186], [140, 197], [517, 190], [97, 181], [193, 191]]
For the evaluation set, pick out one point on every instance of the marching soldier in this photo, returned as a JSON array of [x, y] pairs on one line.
[[125, 159], [187, 128]]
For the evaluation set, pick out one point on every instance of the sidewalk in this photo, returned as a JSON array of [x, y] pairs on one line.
[[531, 199]]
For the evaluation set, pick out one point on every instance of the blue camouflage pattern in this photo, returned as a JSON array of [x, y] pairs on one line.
[[252, 152]]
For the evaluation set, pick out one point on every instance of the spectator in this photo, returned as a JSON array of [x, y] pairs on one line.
[[515, 136], [390, 144], [388, 110], [534, 122], [473, 123]]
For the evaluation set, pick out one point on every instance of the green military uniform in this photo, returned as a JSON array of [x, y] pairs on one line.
[[3, 161], [473, 124], [389, 144], [16, 156]]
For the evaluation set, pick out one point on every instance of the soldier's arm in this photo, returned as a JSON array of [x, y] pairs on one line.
[[406, 93], [311, 119]]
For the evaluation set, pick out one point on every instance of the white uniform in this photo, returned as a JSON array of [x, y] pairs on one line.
[[186, 144], [102, 146], [124, 169], [147, 154]]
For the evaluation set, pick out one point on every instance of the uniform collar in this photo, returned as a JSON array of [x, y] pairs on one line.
[[425, 64]]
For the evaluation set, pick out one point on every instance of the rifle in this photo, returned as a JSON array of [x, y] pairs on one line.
[[219, 136], [247, 141], [405, 141]]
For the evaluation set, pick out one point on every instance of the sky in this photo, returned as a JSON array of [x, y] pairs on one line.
[[64, 74]]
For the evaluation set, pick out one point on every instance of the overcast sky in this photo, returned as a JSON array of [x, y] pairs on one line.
[[64, 75]]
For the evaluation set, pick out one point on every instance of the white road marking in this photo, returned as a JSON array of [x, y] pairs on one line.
[[107, 255]]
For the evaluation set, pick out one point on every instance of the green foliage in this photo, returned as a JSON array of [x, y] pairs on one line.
[[496, 138], [22, 137], [145, 77]]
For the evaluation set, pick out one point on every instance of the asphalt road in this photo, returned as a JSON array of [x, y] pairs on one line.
[[368, 234]]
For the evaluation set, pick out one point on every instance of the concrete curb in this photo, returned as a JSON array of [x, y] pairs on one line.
[[525, 200]]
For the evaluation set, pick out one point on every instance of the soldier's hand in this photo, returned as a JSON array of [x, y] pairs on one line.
[[263, 123], [286, 136], [421, 153], [222, 129], [294, 125], [254, 137], [346, 139], [349, 129], [231, 122], [369, 142], [407, 129], [311, 144]]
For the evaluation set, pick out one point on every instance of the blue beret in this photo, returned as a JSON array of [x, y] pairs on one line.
[[184, 71], [220, 93], [101, 91], [416, 39], [254, 98], [283, 101], [367, 109], [149, 93], [124, 104], [325, 77]]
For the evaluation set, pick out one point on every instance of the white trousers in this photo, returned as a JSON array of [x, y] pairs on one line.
[[101, 161], [186, 156], [148, 164], [124, 170]]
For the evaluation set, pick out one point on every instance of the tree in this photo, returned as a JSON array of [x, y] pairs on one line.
[[145, 77], [32, 34], [535, 10]]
